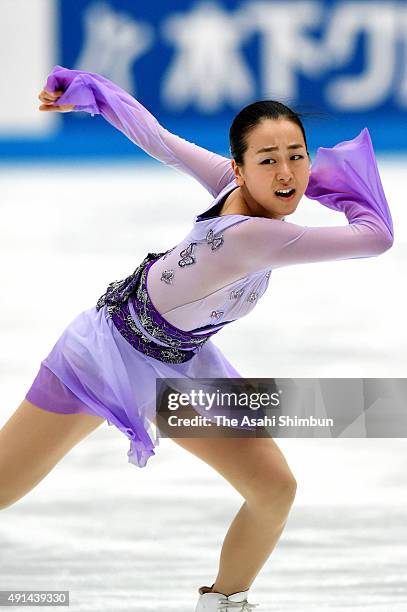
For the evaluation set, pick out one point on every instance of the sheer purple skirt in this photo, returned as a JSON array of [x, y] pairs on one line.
[[93, 369]]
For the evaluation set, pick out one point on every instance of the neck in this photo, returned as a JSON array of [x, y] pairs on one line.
[[240, 202]]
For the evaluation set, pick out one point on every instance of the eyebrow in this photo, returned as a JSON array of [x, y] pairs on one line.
[[293, 146]]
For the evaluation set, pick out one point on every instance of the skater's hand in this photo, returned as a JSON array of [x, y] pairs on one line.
[[47, 98]]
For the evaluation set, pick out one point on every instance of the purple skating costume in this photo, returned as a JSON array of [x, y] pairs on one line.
[[158, 322]]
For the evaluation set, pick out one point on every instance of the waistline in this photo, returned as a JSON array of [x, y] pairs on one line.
[[152, 335]]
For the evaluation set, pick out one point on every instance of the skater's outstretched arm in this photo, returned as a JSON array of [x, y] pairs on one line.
[[344, 178], [95, 94]]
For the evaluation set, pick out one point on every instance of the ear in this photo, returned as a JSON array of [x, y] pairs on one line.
[[237, 171]]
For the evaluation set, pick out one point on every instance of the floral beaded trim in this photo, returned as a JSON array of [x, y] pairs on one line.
[[182, 345], [123, 321], [120, 290]]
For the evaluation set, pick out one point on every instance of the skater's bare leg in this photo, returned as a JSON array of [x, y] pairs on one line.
[[32, 442], [257, 469]]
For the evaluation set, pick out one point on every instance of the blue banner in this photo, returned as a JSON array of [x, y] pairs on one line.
[[195, 65]]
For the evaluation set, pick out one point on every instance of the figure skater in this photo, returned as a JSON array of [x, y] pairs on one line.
[[158, 322]]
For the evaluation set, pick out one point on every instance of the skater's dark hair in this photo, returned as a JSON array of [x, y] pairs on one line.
[[250, 116]]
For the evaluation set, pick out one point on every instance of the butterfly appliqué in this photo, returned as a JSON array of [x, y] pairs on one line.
[[236, 293], [187, 257], [253, 296], [214, 241], [216, 314], [167, 276]]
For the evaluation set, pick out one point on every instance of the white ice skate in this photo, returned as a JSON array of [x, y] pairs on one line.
[[217, 602]]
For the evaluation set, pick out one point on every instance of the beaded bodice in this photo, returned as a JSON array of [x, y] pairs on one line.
[[192, 285]]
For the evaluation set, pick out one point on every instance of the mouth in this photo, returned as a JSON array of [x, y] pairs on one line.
[[285, 194]]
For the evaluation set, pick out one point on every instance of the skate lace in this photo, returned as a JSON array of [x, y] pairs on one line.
[[241, 606]]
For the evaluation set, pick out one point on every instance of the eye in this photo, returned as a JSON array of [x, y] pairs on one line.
[[264, 162]]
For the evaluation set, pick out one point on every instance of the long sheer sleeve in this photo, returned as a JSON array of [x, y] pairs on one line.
[[93, 93], [344, 178]]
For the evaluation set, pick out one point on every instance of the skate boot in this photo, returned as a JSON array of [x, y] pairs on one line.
[[217, 602]]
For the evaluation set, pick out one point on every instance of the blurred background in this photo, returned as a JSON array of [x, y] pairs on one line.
[[81, 206], [195, 64]]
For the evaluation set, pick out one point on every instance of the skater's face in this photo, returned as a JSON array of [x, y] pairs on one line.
[[284, 165]]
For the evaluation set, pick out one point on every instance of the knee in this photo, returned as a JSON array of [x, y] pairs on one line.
[[281, 490], [275, 492], [289, 487]]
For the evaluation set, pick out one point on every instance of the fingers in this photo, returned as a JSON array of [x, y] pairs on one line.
[[64, 108], [48, 98]]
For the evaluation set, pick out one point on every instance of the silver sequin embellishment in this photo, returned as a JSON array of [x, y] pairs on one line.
[[187, 257], [268, 274], [214, 241], [216, 314], [236, 293], [253, 296], [167, 276]]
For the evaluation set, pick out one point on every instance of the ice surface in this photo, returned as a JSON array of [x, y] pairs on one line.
[[122, 538]]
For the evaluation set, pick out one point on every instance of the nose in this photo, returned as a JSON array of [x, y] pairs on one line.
[[284, 173]]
